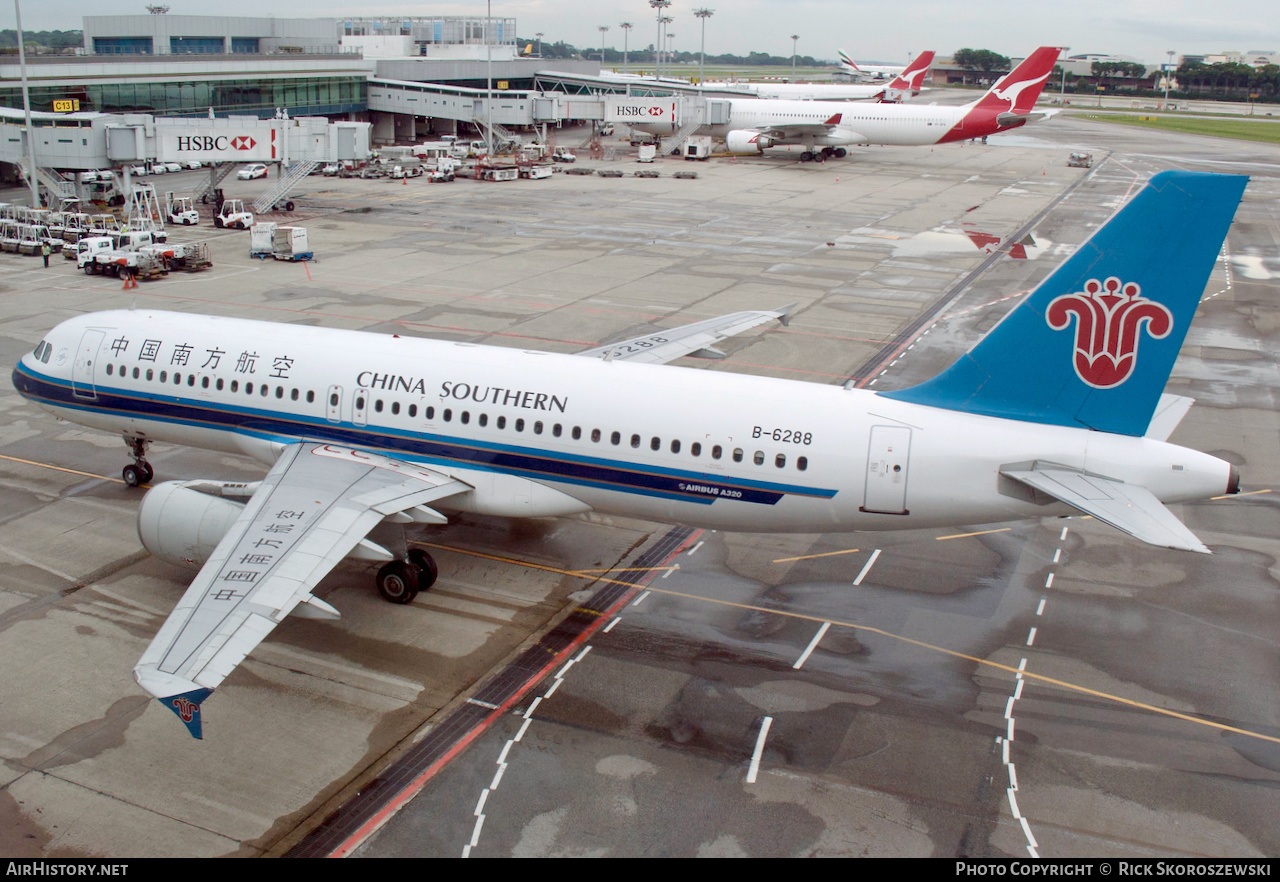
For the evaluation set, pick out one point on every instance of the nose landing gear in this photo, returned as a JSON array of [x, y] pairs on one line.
[[139, 472]]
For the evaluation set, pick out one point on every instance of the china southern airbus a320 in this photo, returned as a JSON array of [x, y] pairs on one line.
[[1058, 410]]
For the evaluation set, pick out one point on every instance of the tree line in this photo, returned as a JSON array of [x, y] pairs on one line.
[[55, 40], [646, 55]]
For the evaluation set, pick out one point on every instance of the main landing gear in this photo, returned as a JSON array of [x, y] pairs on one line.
[[401, 580], [825, 153], [140, 471]]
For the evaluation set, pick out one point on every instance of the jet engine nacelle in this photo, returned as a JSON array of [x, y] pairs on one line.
[[742, 141], [182, 526]]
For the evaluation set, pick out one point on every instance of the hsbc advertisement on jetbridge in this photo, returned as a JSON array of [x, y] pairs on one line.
[[244, 143], [625, 109]]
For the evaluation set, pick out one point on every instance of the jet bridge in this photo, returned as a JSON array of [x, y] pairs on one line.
[[84, 141], [558, 98]]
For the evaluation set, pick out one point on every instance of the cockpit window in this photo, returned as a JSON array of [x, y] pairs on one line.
[[43, 351]]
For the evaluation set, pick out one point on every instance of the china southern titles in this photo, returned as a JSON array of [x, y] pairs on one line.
[[528, 399]]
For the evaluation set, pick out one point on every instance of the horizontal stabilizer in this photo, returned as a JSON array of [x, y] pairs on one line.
[[1017, 119], [1127, 507], [1169, 412]]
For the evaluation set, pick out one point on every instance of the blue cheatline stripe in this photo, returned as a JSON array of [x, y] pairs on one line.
[[439, 450]]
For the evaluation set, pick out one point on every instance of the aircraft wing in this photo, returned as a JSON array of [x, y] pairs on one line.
[[311, 510], [694, 339], [1127, 507]]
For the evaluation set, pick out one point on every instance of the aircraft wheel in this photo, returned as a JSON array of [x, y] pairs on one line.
[[428, 572], [806, 156], [135, 475], [397, 582], [288, 206], [841, 153]]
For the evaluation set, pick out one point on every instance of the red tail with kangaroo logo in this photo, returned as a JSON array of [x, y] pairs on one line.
[[1010, 102]]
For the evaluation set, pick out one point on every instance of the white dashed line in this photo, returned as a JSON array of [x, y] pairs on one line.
[[867, 567], [759, 751], [813, 644]]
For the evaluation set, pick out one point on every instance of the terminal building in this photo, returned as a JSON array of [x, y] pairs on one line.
[[183, 65]]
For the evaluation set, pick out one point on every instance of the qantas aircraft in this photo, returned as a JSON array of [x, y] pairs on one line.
[[905, 84], [1058, 410], [827, 128]]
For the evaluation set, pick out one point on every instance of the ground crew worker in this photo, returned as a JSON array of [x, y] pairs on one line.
[[44, 252]]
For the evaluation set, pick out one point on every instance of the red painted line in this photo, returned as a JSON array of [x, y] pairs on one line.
[[414, 787]]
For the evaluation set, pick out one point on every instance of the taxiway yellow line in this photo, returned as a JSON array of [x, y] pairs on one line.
[[45, 465], [812, 556], [1050, 681], [967, 535]]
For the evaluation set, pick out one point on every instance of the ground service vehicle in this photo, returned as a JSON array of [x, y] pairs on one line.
[[182, 210], [234, 215]]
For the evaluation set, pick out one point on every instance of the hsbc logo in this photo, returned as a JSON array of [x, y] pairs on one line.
[[199, 143], [639, 110]]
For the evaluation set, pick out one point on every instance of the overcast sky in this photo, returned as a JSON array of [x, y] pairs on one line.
[[869, 30]]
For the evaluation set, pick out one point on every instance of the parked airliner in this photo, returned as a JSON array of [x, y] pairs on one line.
[[906, 84], [828, 128], [1058, 410]]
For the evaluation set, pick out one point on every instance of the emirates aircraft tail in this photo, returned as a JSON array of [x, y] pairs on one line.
[[847, 65], [1010, 102]]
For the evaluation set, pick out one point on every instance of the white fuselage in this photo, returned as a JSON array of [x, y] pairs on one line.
[[803, 91], [703, 448], [869, 123]]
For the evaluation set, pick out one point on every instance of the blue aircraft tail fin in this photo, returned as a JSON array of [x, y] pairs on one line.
[[1094, 344]]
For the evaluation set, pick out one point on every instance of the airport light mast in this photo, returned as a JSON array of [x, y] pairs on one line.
[[539, 36], [26, 109], [603, 29], [488, 78], [658, 5], [1168, 75], [703, 14], [1062, 89], [626, 32], [662, 47], [794, 38]]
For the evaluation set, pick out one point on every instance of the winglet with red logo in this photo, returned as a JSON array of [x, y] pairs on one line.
[[187, 707], [1094, 344]]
